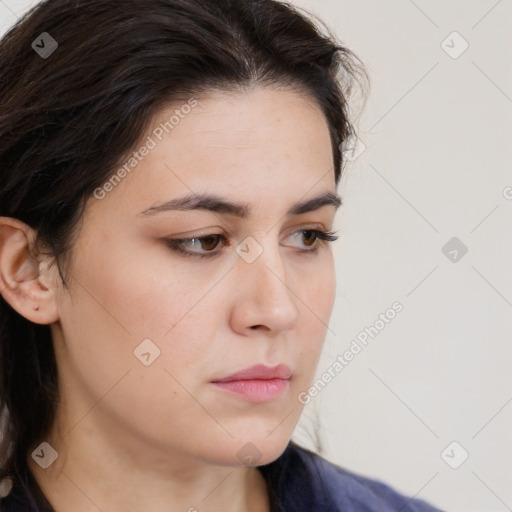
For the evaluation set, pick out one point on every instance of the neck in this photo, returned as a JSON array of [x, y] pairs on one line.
[[92, 473]]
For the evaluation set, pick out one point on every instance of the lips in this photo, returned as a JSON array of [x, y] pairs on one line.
[[259, 372], [258, 383]]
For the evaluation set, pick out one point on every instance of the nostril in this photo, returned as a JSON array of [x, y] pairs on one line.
[[259, 326]]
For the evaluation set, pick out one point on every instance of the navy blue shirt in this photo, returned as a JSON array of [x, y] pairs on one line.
[[298, 481], [302, 481]]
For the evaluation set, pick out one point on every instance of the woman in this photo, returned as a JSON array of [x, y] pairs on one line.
[[168, 188]]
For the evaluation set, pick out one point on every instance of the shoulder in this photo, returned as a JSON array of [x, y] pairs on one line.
[[14, 502], [303, 478], [18, 501]]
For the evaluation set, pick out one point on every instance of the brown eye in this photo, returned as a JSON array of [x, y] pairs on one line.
[[206, 246], [311, 239], [210, 242], [198, 246]]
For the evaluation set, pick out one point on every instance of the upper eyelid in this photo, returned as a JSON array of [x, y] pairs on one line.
[[201, 236], [224, 230]]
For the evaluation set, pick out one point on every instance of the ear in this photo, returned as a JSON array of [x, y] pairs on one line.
[[26, 283]]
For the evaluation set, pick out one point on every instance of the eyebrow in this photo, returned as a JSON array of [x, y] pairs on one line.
[[218, 204]]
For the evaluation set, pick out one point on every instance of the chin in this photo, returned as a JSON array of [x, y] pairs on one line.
[[258, 450], [241, 450]]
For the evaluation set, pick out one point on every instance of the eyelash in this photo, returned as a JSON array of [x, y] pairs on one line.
[[174, 244]]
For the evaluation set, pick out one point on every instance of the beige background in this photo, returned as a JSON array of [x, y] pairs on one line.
[[437, 132], [436, 165]]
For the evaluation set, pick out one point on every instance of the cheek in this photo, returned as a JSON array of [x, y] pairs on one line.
[[116, 301], [104, 323], [318, 300], [320, 294]]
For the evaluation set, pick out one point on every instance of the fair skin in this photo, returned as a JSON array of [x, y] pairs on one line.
[[163, 437]]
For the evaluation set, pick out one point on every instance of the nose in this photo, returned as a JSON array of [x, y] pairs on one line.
[[265, 299]]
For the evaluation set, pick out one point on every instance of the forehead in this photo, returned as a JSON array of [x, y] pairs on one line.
[[260, 146]]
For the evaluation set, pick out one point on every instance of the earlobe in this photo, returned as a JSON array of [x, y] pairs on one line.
[[21, 282]]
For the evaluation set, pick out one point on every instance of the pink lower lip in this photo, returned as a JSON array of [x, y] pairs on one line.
[[256, 390]]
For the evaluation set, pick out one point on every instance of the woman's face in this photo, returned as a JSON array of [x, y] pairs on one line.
[[146, 332]]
